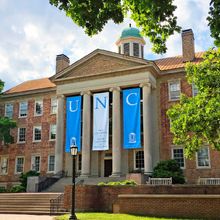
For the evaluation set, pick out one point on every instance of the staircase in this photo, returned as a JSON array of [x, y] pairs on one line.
[[26, 203]]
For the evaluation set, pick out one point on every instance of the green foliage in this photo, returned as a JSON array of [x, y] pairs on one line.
[[169, 168], [23, 177], [17, 188], [3, 190], [6, 125], [119, 183], [196, 120]]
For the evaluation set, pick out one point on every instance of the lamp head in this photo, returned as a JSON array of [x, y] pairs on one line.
[[73, 150]]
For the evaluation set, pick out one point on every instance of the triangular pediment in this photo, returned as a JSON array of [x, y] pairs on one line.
[[99, 62]]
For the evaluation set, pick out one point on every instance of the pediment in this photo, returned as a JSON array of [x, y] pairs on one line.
[[100, 62]]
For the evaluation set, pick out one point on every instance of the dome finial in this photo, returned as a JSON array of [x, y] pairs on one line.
[[130, 25]]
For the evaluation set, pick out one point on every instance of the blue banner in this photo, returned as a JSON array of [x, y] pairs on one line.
[[73, 122], [131, 118]]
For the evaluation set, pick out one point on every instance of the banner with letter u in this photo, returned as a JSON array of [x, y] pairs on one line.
[[73, 122], [131, 118], [101, 121]]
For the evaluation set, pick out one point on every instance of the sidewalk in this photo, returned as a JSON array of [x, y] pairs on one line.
[[25, 217]]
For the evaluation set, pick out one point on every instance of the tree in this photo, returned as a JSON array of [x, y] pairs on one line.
[[155, 18], [195, 121], [6, 125]]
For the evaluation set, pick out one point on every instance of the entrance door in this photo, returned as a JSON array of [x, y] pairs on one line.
[[107, 167]]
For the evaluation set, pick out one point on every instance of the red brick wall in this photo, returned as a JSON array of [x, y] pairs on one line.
[[43, 148]]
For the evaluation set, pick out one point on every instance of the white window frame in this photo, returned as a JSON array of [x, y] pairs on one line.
[[7, 104], [177, 148], [169, 90], [24, 116], [2, 165], [16, 161], [38, 127], [51, 139], [48, 164], [193, 90], [52, 105], [134, 156], [18, 137], [33, 160], [197, 162], [41, 103]]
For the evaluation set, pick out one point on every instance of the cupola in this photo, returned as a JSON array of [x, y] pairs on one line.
[[131, 43]]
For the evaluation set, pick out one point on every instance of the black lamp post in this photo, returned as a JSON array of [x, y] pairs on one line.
[[73, 149]]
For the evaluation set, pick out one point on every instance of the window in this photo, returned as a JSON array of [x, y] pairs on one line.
[[21, 135], [53, 105], [23, 109], [51, 163], [37, 133], [126, 49], [35, 163], [136, 49], [139, 159], [38, 108], [178, 155], [4, 165], [194, 90], [53, 132], [9, 110], [19, 166], [203, 160], [174, 90], [79, 162]]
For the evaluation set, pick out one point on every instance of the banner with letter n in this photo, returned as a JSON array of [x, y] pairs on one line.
[[100, 121], [73, 122], [131, 118]]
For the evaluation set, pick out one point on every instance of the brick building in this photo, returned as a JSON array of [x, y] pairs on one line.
[[38, 106]]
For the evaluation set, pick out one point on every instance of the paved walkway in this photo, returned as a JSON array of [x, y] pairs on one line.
[[25, 217]]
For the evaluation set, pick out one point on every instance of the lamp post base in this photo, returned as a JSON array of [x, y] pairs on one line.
[[73, 217]]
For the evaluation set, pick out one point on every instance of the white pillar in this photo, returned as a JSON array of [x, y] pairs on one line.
[[147, 125], [59, 135], [116, 132], [131, 49], [86, 134]]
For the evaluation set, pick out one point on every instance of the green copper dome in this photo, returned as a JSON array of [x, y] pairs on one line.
[[130, 32]]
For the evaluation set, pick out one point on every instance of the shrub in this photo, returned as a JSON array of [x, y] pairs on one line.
[[119, 183], [23, 177], [17, 188], [169, 168], [3, 190]]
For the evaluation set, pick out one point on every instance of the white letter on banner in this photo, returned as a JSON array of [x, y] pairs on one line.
[[101, 121], [127, 99]]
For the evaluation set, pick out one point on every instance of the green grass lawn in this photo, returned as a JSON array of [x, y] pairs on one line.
[[108, 216]]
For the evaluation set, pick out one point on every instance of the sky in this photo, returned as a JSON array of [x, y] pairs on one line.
[[33, 32]]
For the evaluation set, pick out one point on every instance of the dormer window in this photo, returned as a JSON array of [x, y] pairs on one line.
[[136, 49], [126, 49]]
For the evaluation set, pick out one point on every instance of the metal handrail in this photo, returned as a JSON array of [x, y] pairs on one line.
[[56, 205]]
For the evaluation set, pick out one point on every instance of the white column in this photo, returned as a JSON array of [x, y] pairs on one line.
[[86, 134], [131, 49], [116, 132], [147, 125], [59, 135], [140, 50]]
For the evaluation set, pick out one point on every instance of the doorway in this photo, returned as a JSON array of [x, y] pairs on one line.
[[107, 167]]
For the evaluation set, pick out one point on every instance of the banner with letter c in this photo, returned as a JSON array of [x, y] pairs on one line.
[[100, 121], [131, 118], [73, 122]]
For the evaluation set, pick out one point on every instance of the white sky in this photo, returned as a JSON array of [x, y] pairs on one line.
[[32, 33]]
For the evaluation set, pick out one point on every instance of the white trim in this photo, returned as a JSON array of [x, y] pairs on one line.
[[134, 158], [172, 153], [16, 160], [42, 103], [18, 136], [33, 156], [1, 157], [9, 103], [48, 164], [50, 132], [51, 101], [39, 126], [19, 115], [203, 167], [169, 95]]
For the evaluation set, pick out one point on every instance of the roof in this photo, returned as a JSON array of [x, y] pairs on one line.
[[176, 62], [43, 83], [130, 32]]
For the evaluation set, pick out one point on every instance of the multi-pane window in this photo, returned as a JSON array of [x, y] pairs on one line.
[[4, 165], [51, 163], [19, 165], [139, 159], [9, 110], [203, 160], [174, 90], [23, 109], [126, 49], [21, 135], [54, 105], [35, 163], [178, 155], [136, 49], [194, 90], [38, 107], [37, 133], [53, 132]]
